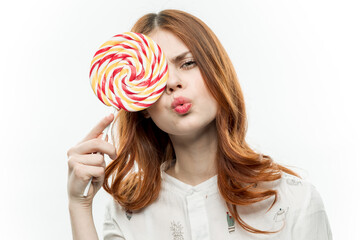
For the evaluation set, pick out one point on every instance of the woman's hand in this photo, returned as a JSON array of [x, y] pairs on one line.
[[84, 162]]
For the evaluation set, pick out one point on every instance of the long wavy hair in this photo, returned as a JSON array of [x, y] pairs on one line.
[[138, 139]]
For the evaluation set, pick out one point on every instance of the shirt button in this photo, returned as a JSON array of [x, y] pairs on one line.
[[191, 191]]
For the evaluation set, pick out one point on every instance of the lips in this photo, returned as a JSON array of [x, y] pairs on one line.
[[181, 105]]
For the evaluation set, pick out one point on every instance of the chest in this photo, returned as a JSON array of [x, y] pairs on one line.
[[203, 217]]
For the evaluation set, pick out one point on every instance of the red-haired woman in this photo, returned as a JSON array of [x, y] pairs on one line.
[[181, 168]]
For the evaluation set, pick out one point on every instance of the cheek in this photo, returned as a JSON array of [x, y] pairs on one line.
[[207, 98], [155, 108], [152, 110], [211, 105], [159, 116], [156, 111]]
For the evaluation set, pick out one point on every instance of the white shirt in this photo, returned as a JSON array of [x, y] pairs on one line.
[[185, 212]]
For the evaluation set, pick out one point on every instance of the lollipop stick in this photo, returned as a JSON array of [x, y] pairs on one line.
[[86, 191]]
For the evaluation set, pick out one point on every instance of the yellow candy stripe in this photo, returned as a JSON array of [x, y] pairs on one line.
[[129, 71]]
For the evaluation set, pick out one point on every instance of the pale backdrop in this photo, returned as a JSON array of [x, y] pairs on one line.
[[297, 62]]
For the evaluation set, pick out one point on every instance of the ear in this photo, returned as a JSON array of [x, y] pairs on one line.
[[146, 114]]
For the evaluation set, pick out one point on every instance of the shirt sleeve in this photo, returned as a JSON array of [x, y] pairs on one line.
[[111, 230], [312, 222]]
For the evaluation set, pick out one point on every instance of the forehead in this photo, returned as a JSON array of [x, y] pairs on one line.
[[170, 44]]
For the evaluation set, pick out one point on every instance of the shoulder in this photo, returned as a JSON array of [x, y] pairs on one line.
[[114, 211], [300, 193], [307, 212], [110, 209], [115, 224], [113, 207], [297, 193]]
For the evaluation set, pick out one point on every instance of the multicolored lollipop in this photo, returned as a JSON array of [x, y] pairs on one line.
[[128, 72]]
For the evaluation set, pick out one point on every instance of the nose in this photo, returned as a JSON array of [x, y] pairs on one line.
[[173, 83]]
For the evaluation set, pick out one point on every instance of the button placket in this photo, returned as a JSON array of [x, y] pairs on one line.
[[197, 216]]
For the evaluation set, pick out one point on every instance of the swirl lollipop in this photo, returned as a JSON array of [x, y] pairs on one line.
[[128, 72]]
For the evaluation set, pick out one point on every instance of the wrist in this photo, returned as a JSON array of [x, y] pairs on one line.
[[75, 205]]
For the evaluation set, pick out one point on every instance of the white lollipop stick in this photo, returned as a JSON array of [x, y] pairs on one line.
[[106, 130]]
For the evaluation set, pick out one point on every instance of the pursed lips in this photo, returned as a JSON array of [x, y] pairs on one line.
[[179, 101], [181, 105]]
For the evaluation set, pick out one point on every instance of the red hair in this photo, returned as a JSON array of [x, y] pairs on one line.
[[139, 140]]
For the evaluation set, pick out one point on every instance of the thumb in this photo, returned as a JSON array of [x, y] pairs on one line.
[[102, 135]]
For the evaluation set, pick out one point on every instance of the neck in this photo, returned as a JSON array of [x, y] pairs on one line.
[[195, 156]]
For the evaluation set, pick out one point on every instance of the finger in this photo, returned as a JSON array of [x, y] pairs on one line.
[[94, 146], [88, 159], [102, 135], [85, 172], [99, 127]]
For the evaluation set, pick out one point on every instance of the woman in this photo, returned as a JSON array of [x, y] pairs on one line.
[[196, 177]]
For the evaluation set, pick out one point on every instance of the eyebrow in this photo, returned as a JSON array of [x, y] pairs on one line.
[[180, 57]]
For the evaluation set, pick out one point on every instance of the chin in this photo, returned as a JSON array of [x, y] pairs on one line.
[[186, 126], [188, 130]]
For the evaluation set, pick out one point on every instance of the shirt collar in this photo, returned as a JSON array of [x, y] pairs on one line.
[[207, 187]]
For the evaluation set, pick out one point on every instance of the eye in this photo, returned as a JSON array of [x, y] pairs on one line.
[[188, 64]]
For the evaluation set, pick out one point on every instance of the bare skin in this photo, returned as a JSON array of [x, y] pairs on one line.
[[82, 165], [193, 136], [195, 159]]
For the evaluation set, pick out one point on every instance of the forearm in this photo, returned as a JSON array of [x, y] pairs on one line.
[[82, 223]]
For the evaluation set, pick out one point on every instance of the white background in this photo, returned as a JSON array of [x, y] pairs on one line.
[[297, 62]]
